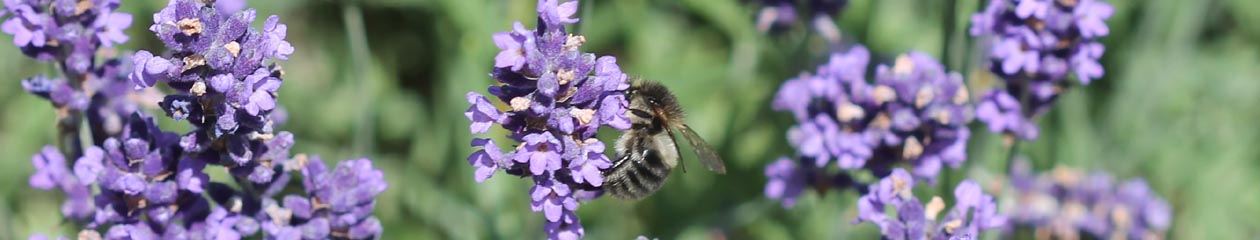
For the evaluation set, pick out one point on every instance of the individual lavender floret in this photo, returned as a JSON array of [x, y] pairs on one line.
[[558, 98], [973, 212], [57, 91], [226, 73], [1003, 113], [337, 203], [786, 181], [1033, 46], [1067, 203]]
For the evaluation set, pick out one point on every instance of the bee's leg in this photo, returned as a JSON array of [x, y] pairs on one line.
[[622, 158], [640, 113], [643, 153]]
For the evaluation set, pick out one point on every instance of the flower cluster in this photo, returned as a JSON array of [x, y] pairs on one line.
[[136, 181], [65, 31], [72, 35], [52, 171], [1067, 202], [913, 113], [336, 204], [973, 210], [558, 98], [227, 79], [1033, 46], [779, 14]]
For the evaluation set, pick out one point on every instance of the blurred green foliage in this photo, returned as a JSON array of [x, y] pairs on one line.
[[386, 79]]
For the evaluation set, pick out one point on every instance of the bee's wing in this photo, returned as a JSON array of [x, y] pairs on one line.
[[677, 152], [704, 152]]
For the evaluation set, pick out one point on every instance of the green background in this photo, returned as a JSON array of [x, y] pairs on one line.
[[386, 79]]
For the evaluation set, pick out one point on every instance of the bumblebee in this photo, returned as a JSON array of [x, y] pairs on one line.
[[648, 151]]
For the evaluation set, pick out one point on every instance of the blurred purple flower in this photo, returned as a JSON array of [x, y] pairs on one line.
[[1067, 202], [26, 25], [914, 113], [1033, 45], [57, 91], [786, 181], [973, 211], [779, 15], [111, 28], [52, 171], [229, 6], [927, 111], [1003, 113], [831, 107], [337, 203], [1091, 16], [64, 31]]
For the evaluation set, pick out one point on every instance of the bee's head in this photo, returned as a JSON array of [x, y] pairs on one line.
[[652, 96]]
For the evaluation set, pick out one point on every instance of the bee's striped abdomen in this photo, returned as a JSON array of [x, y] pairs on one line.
[[641, 175]]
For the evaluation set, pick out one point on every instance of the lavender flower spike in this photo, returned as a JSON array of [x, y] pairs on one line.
[[557, 98], [227, 80], [915, 113], [1033, 46], [337, 203], [973, 212], [1067, 203]]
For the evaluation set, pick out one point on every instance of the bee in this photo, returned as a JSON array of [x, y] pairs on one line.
[[648, 151]]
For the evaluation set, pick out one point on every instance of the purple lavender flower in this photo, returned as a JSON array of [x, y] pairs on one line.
[[1003, 113], [70, 34], [57, 91], [832, 108], [1067, 203], [914, 113], [926, 113], [558, 97], [229, 6], [136, 181], [28, 26], [226, 74], [67, 32], [776, 15], [133, 166], [1033, 45], [973, 211], [52, 171], [337, 203], [787, 181]]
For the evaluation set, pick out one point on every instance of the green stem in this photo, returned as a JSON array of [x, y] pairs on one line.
[[1026, 110], [588, 9], [1011, 153], [948, 22], [359, 56]]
